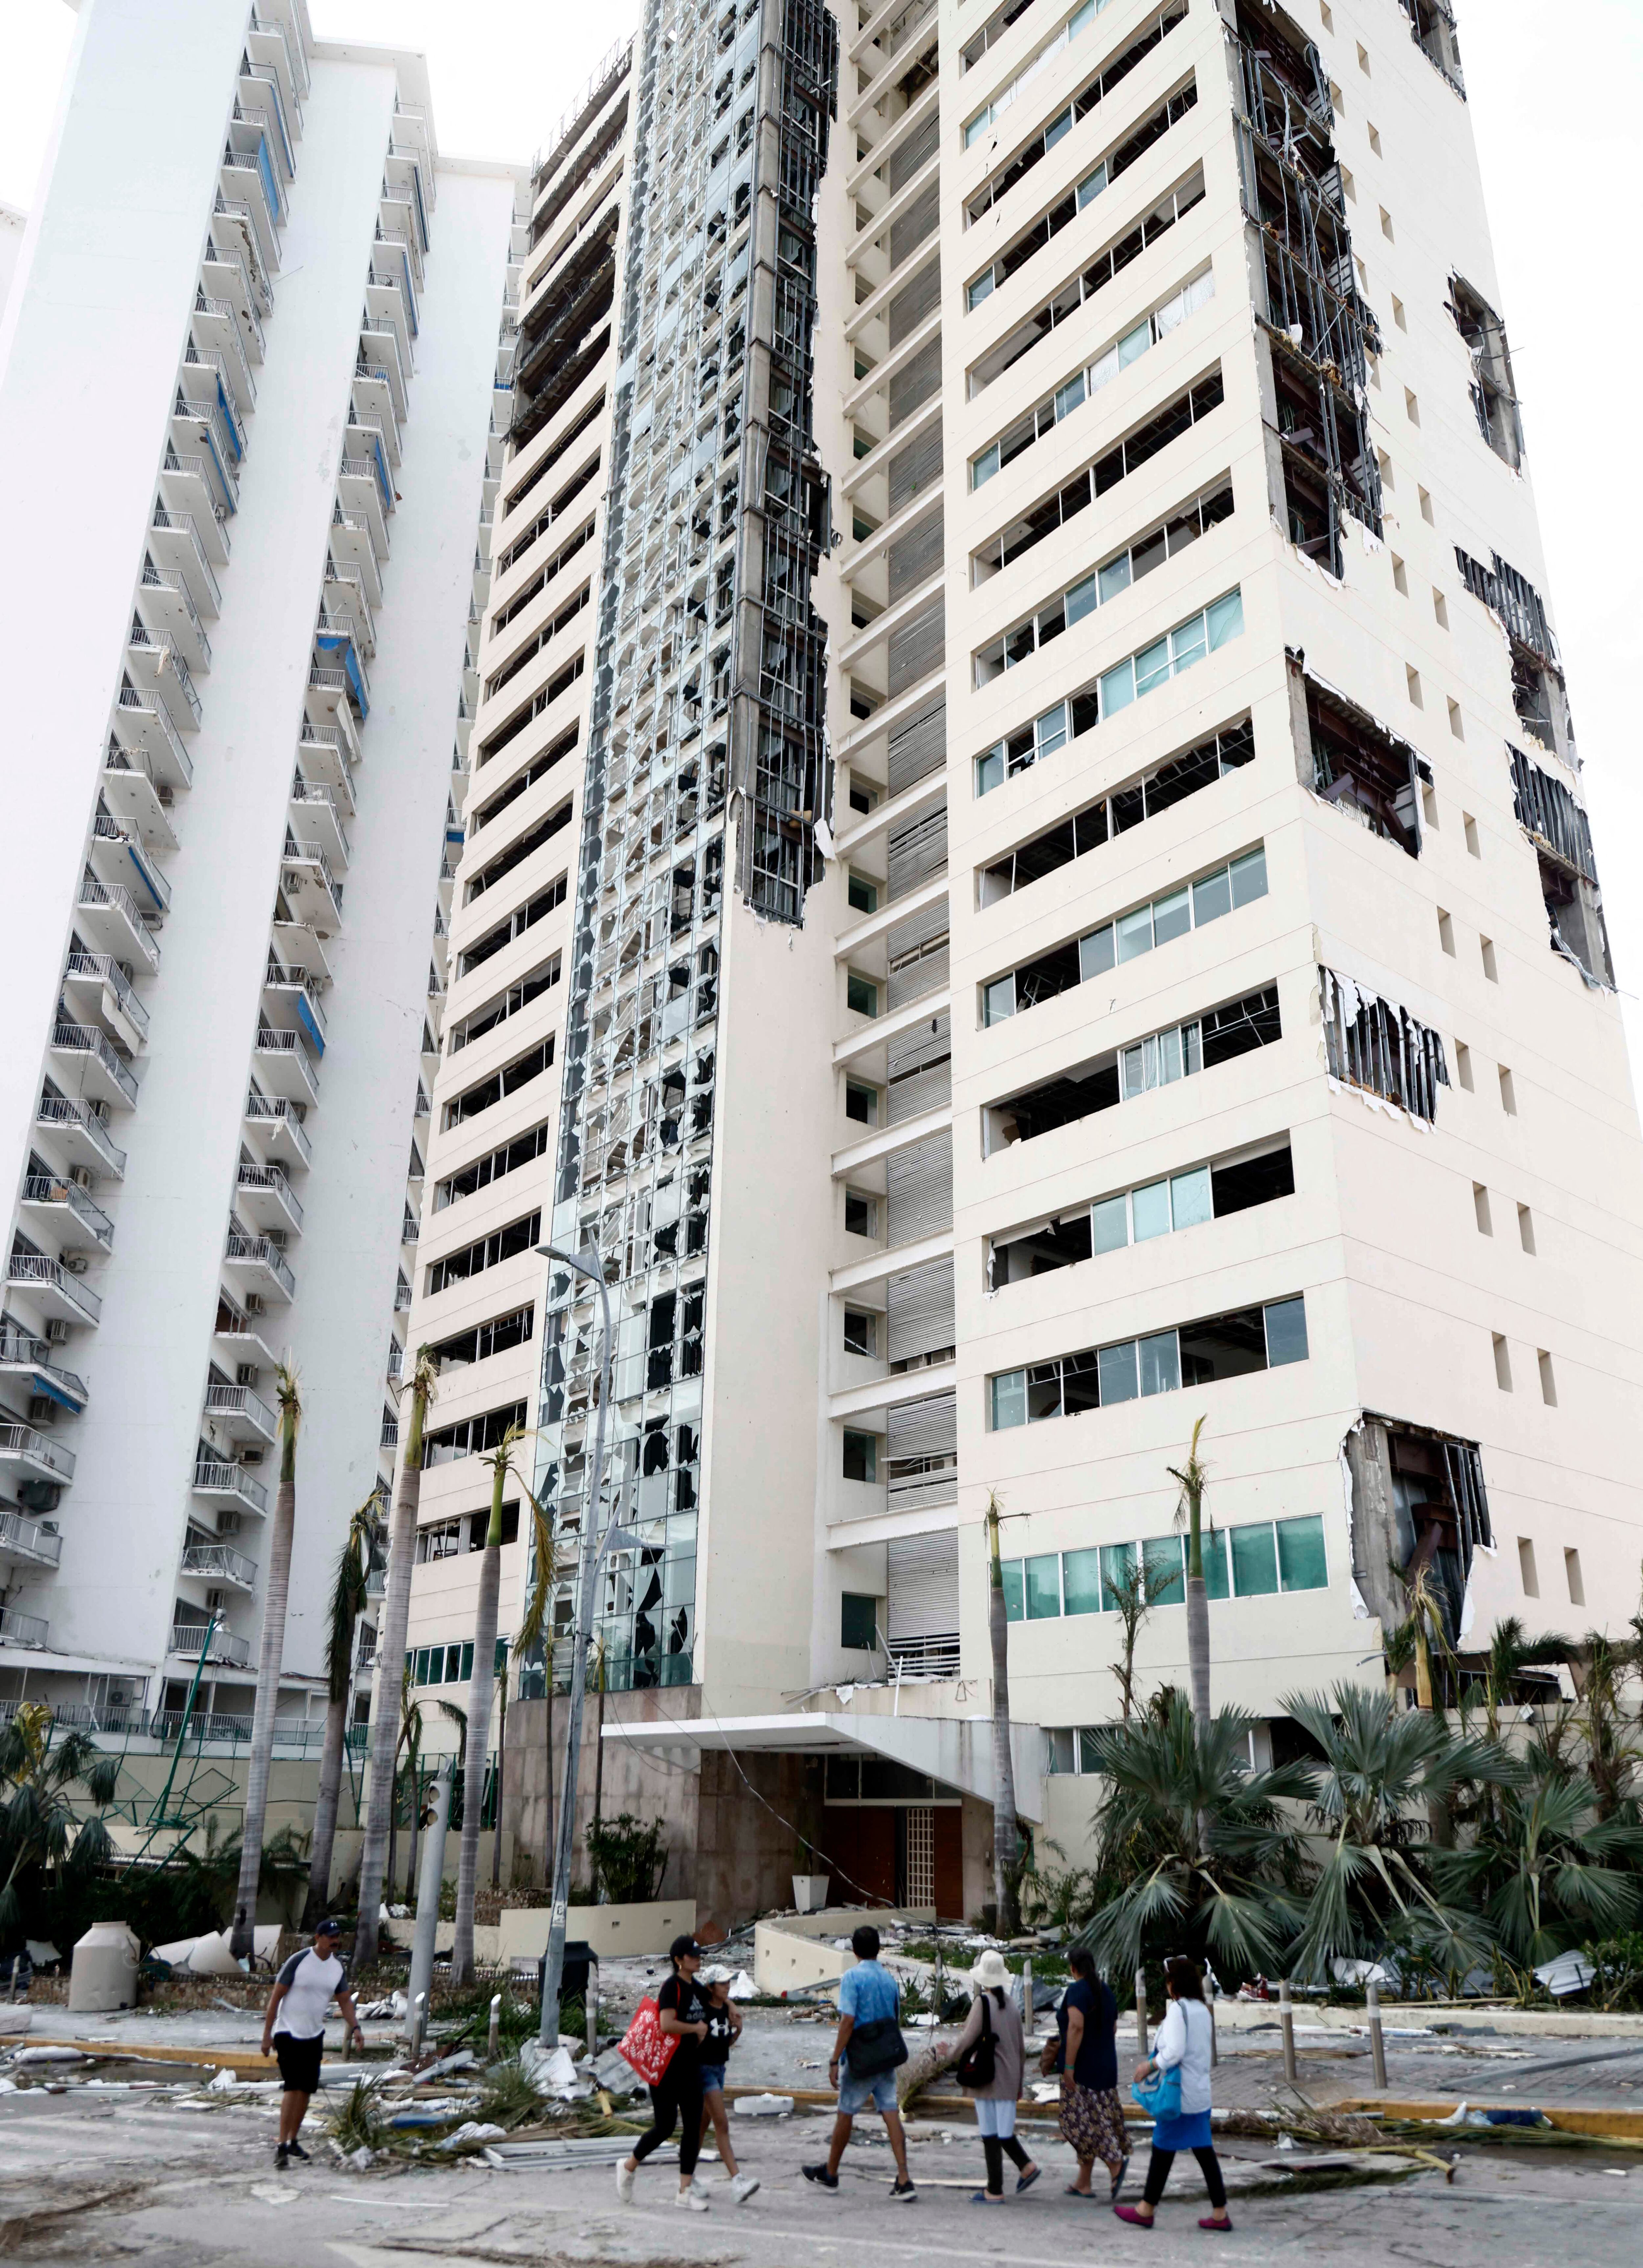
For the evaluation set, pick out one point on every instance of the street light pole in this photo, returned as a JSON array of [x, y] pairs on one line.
[[589, 1265]]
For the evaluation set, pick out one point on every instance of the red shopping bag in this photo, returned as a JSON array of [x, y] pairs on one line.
[[646, 2046]]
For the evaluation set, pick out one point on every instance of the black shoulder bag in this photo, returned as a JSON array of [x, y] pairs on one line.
[[979, 2061]]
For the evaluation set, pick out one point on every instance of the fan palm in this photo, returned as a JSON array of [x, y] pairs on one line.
[[1380, 1763], [276, 1598], [347, 1598], [1231, 1890], [481, 1697], [1547, 1869], [40, 1822], [421, 1389]]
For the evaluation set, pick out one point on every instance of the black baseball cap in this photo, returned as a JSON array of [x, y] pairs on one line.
[[683, 1945], [329, 1927]]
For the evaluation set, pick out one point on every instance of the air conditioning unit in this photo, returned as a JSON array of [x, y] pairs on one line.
[[75, 1262], [56, 1332], [250, 1456], [217, 1598], [227, 1524], [81, 1176], [245, 1374], [42, 1410], [253, 1303]]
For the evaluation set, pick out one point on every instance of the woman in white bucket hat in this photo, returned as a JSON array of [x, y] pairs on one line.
[[992, 2080]]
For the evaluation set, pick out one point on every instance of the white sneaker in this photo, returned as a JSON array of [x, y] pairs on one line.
[[700, 2188], [690, 2200], [742, 2188], [624, 2184]]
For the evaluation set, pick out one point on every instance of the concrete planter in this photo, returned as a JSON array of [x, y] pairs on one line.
[[810, 1892]]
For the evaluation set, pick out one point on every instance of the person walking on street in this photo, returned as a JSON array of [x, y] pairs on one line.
[[866, 2052], [1087, 2056], [992, 2057], [1184, 2039], [724, 2030], [293, 2029], [677, 2094]]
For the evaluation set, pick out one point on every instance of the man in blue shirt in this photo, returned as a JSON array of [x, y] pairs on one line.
[[869, 2000]]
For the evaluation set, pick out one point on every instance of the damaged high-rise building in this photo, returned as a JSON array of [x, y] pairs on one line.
[[811, 922]]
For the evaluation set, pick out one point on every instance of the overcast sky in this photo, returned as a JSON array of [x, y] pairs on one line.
[[1556, 93]]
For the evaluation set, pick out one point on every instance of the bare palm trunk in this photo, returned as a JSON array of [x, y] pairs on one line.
[[481, 1696], [502, 1758], [385, 1727], [324, 1811], [277, 1594], [1006, 1835], [547, 1837], [1192, 1480]]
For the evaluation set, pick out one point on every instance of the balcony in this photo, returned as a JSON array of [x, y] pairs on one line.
[[283, 1067], [329, 703], [215, 1563], [86, 1060], [311, 889], [138, 801], [35, 1455], [408, 1227], [143, 727], [374, 409], [236, 1340], [291, 1002], [315, 819], [60, 1209], [242, 1414], [30, 1540], [235, 215], [110, 918], [294, 944], [120, 860], [162, 674], [385, 310], [266, 1199], [29, 1361], [259, 1264], [207, 460], [224, 1481], [327, 757], [390, 1437], [359, 490], [56, 1290], [96, 985], [401, 1294], [278, 1129], [343, 594], [22, 1629], [353, 542], [169, 613], [224, 278], [216, 330], [80, 1134], [191, 497], [247, 182], [175, 544], [187, 1639]]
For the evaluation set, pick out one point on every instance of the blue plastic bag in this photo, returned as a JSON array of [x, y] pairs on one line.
[[1160, 2097]]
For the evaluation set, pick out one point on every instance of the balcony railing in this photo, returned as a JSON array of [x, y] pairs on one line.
[[259, 1251], [26, 1539], [22, 1350], [214, 1563], [64, 1111], [272, 1179], [131, 699], [240, 1402], [166, 579], [95, 892], [925, 1657], [85, 1039], [22, 1629], [33, 1271], [226, 1476], [164, 648], [389, 1438], [181, 523], [31, 1446], [305, 792], [105, 964], [224, 1647], [53, 1188], [266, 1109]]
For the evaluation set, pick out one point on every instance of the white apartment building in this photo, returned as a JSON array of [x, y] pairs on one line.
[[1081, 917], [247, 366]]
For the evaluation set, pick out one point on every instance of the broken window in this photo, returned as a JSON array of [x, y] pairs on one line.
[[1353, 762], [1329, 466], [1432, 28], [1376, 1045], [1538, 692], [1197, 1354], [1176, 1200], [1494, 396], [1562, 837], [1418, 1503]]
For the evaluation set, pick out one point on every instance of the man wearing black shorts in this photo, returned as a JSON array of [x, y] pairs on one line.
[[293, 2029]]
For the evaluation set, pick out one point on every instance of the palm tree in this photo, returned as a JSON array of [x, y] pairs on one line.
[[1193, 1477], [546, 1564], [390, 1655], [40, 1824], [1168, 1773], [1006, 1833], [1378, 1763], [481, 1696], [1548, 1871], [347, 1598], [277, 1594]]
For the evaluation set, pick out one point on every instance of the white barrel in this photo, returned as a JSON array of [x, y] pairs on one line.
[[105, 1970]]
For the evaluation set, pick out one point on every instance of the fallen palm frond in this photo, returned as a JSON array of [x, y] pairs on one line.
[[358, 2123]]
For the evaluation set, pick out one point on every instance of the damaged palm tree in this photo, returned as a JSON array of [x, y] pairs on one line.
[[348, 1599], [1006, 1833], [242, 1943], [1193, 1476], [536, 1630], [481, 1696], [390, 1652]]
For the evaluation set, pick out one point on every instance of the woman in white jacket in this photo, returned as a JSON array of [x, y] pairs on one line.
[[1183, 2042]]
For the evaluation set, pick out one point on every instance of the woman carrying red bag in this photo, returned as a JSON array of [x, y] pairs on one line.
[[678, 2091]]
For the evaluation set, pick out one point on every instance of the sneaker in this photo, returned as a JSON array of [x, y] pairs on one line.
[[904, 2193], [691, 2200], [282, 2157], [742, 2188], [624, 2184], [700, 2186], [296, 2151], [820, 2176]]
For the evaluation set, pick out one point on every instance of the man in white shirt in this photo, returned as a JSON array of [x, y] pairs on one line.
[[293, 2029]]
